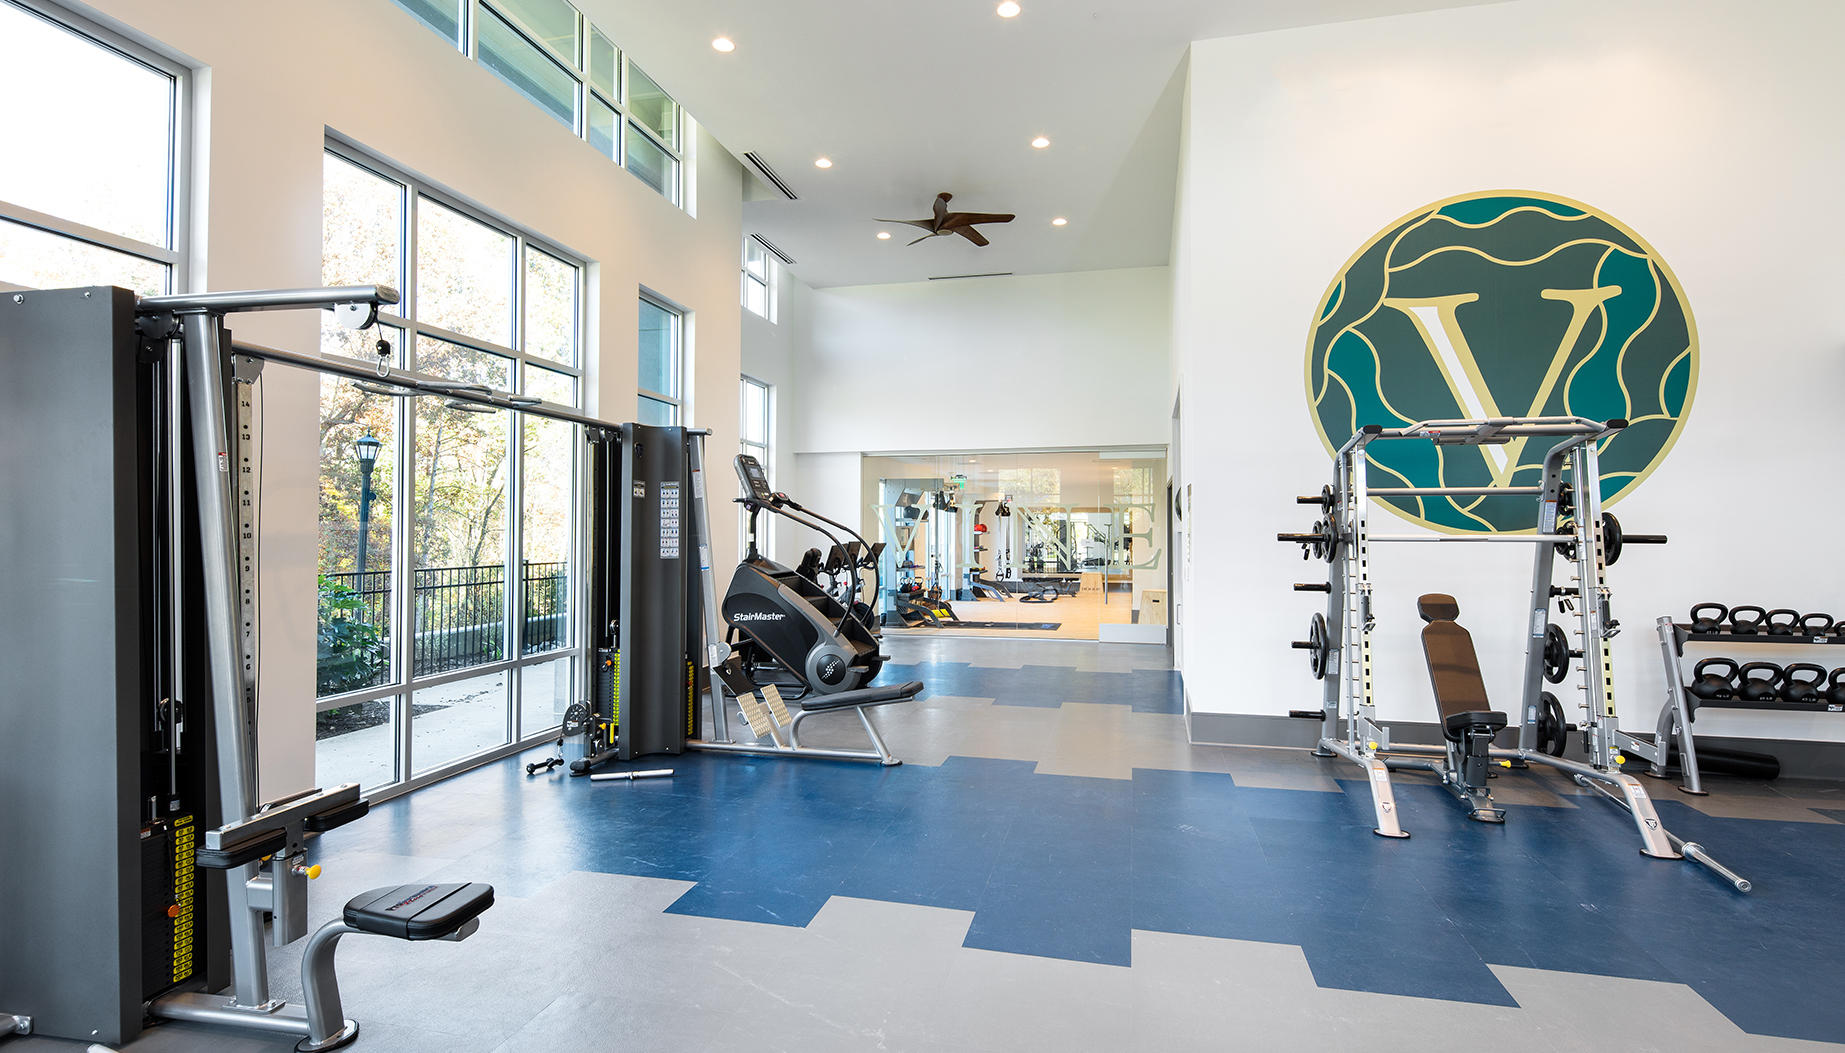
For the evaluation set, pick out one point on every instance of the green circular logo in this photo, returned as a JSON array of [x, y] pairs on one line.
[[1502, 304]]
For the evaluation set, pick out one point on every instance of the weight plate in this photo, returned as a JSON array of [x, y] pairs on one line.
[[1611, 538], [1556, 654], [1319, 654], [1551, 730]]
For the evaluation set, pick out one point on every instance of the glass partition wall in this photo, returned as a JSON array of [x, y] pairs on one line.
[[449, 537]]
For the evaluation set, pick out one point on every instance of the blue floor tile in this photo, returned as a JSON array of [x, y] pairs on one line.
[[1068, 867]]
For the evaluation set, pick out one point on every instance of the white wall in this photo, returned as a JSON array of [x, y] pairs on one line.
[[771, 353], [1708, 127], [1027, 362], [275, 79]]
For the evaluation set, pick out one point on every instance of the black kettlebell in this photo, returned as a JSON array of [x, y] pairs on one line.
[[1797, 690], [1747, 626], [1789, 620], [1710, 686], [1758, 689], [1712, 624], [1835, 687], [1816, 624]]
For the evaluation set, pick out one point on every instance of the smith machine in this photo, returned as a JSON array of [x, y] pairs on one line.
[[1571, 524]]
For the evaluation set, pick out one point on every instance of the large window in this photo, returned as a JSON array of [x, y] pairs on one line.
[[758, 279], [549, 52], [447, 533], [662, 329], [90, 174]]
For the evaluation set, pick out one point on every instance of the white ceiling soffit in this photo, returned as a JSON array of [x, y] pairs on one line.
[[912, 97]]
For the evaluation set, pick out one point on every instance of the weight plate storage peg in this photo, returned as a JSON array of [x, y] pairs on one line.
[[1318, 645], [1557, 654], [1552, 732]]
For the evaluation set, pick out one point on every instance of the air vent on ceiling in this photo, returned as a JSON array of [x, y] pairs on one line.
[[952, 277], [769, 174], [773, 251]]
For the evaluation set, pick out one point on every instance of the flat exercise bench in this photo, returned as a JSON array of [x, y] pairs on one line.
[[1468, 721], [420, 911]]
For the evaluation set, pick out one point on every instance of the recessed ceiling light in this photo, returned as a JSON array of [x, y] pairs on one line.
[[1059, 221], [823, 163], [883, 235], [723, 44], [1008, 9], [1040, 142]]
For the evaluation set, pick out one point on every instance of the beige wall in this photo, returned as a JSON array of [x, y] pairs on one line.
[[275, 79]]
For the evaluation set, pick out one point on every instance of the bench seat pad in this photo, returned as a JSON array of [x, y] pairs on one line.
[[419, 911]]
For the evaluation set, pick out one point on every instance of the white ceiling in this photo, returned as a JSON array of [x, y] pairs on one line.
[[912, 97]]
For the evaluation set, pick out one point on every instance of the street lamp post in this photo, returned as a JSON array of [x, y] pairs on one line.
[[368, 458]]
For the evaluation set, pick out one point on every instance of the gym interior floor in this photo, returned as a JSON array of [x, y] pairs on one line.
[[1076, 615], [1055, 868]]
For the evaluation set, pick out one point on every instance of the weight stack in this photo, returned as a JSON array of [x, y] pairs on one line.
[[656, 497]]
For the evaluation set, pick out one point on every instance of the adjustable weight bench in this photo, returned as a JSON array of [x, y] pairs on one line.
[[1468, 721]]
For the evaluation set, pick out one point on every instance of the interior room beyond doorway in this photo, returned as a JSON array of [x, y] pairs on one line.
[[1037, 544]]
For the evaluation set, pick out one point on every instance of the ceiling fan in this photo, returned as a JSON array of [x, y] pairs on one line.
[[946, 222]]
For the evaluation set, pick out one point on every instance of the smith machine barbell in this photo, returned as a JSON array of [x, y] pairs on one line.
[[1570, 522]]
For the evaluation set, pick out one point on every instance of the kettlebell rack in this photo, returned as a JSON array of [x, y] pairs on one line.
[[1340, 641], [1681, 708]]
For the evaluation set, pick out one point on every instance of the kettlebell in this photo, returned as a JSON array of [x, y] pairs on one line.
[[1758, 689], [1816, 624], [1835, 687], [1747, 626], [1796, 690], [1789, 620], [1713, 624], [1710, 686]]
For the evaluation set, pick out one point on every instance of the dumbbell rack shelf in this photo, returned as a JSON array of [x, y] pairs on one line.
[[1676, 717]]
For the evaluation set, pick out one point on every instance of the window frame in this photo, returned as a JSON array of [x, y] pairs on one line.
[[174, 255], [587, 92], [768, 282], [403, 682], [677, 370]]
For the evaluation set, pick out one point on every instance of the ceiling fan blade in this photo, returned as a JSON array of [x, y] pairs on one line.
[[925, 237], [958, 219], [941, 207], [972, 235], [923, 223]]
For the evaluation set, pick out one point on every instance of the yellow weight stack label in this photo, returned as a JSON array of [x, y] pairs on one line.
[[691, 704], [185, 844]]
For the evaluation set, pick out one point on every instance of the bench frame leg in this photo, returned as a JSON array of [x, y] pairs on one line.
[[320, 990]]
